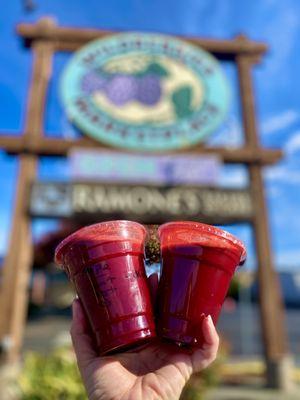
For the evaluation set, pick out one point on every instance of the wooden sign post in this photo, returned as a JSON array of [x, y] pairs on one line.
[[45, 38]]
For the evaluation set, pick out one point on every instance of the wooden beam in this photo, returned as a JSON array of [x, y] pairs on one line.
[[12, 144], [271, 305], [61, 147], [215, 49], [70, 38], [18, 261]]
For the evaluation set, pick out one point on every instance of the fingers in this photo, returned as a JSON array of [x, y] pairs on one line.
[[153, 285], [82, 341], [207, 354], [210, 334]]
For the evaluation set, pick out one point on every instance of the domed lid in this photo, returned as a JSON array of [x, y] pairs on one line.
[[110, 231], [181, 233]]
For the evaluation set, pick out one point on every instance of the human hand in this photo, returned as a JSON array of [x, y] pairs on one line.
[[156, 371]]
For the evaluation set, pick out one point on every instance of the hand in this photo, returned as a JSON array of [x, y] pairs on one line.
[[156, 371]]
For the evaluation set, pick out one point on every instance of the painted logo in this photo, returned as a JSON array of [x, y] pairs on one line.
[[144, 92]]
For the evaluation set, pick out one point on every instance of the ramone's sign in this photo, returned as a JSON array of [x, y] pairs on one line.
[[147, 204]]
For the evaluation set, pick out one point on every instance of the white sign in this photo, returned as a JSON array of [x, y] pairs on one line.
[[112, 166]]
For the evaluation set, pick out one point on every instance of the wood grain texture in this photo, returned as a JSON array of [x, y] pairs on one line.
[[71, 38], [18, 261], [271, 304], [60, 147]]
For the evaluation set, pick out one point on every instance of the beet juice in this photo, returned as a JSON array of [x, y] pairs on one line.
[[198, 262], [105, 262]]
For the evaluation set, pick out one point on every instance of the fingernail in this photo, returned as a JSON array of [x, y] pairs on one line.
[[209, 319]]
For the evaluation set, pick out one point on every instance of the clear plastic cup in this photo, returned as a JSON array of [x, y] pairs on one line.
[[198, 262], [105, 262]]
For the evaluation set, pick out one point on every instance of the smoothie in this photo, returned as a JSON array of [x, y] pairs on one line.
[[105, 262], [198, 262]]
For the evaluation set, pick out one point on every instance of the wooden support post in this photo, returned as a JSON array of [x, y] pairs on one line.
[[271, 304], [18, 262]]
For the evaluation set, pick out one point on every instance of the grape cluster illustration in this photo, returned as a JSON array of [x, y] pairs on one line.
[[120, 88], [149, 90], [144, 87], [92, 82]]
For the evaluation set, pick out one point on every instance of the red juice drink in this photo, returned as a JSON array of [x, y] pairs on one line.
[[105, 262], [198, 262]]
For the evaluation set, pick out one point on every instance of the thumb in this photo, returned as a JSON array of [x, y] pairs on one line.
[[203, 357], [81, 339]]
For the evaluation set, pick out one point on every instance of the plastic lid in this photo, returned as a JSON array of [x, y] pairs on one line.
[[183, 232], [107, 231]]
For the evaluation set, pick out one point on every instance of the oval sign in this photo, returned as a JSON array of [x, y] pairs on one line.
[[144, 92]]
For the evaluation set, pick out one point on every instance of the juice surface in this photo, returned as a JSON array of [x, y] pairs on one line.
[[192, 237]]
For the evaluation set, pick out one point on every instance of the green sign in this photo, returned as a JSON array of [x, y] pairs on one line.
[[144, 92]]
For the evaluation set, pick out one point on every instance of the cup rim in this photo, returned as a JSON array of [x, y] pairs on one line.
[[210, 230], [79, 234]]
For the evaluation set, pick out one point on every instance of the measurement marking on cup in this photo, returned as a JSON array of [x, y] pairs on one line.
[[134, 275], [99, 268], [104, 280], [106, 295], [110, 290], [105, 302], [102, 283], [105, 267], [111, 279]]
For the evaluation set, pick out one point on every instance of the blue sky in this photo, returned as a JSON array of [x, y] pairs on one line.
[[276, 85]]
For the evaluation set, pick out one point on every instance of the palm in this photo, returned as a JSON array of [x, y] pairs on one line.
[[155, 371], [152, 372]]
